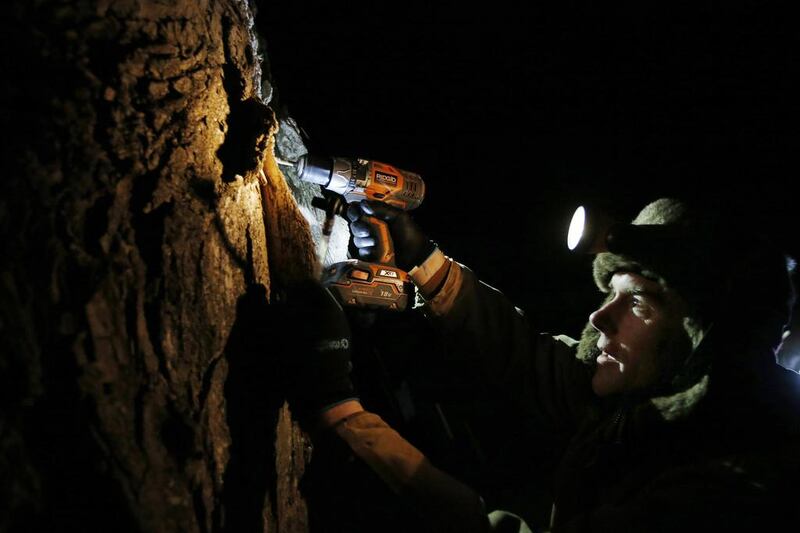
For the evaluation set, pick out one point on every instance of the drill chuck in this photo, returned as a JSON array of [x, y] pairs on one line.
[[315, 169]]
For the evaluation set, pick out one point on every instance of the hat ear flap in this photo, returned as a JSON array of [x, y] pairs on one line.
[[587, 347]]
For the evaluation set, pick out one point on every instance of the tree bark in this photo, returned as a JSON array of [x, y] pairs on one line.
[[145, 224]]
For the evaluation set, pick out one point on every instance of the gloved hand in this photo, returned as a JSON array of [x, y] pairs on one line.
[[411, 246], [318, 361]]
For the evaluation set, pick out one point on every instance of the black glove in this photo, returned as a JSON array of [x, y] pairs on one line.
[[411, 246], [318, 359]]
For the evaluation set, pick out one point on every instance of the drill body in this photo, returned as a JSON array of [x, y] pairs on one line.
[[359, 179], [378, 285]]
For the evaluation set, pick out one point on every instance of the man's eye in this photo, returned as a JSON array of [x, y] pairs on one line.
[[640, 307]]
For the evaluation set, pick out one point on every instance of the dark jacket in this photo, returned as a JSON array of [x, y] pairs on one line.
[[721, 454]]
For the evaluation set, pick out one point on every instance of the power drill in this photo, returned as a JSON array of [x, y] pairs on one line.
[[379, 285]]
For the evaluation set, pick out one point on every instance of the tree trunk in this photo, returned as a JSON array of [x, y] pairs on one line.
[[141, 241]]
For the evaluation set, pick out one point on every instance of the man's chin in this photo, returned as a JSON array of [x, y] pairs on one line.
[[607, 380]]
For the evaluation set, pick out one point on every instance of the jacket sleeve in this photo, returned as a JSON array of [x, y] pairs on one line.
[[535, 373], [442, 502]]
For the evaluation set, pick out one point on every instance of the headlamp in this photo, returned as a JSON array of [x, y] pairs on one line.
[[592, 231], [588, 231]]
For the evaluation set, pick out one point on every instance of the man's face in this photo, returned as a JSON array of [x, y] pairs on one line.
[[642, 339]]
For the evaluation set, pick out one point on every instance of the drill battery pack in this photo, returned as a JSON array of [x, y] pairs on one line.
[[369, 285]]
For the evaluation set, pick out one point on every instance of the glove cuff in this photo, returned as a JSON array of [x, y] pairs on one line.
[[307, 410], [352, 397], [423, 272], [338, 390], [423, 254]]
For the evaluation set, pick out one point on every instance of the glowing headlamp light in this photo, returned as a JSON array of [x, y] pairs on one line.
[[592, 231], [589, 231]]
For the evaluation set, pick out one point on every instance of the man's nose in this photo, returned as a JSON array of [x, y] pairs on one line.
[[602, 319]]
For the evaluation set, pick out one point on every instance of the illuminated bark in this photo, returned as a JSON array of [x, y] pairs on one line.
[[134, 241]]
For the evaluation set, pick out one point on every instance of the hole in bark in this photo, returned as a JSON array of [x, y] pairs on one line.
[[248, 124]]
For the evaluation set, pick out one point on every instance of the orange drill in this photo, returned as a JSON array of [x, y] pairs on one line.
[[379, 285]]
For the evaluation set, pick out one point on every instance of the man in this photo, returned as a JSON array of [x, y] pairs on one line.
[[672, 411]]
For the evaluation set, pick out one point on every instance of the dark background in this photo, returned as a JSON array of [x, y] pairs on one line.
[[513, 119]]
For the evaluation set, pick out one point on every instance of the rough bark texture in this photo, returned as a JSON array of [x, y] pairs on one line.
[[141, 240]]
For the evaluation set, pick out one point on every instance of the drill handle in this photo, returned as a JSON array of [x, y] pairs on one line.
[[384, 248]]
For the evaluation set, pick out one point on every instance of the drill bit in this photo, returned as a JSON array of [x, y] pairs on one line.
[[285, 163]]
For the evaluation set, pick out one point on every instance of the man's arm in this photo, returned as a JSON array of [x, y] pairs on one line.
[[484, 332], [441, 501], [324, 400]]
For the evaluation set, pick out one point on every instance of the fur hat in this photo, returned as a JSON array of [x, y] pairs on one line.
[[716, 265], [675, 264]]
